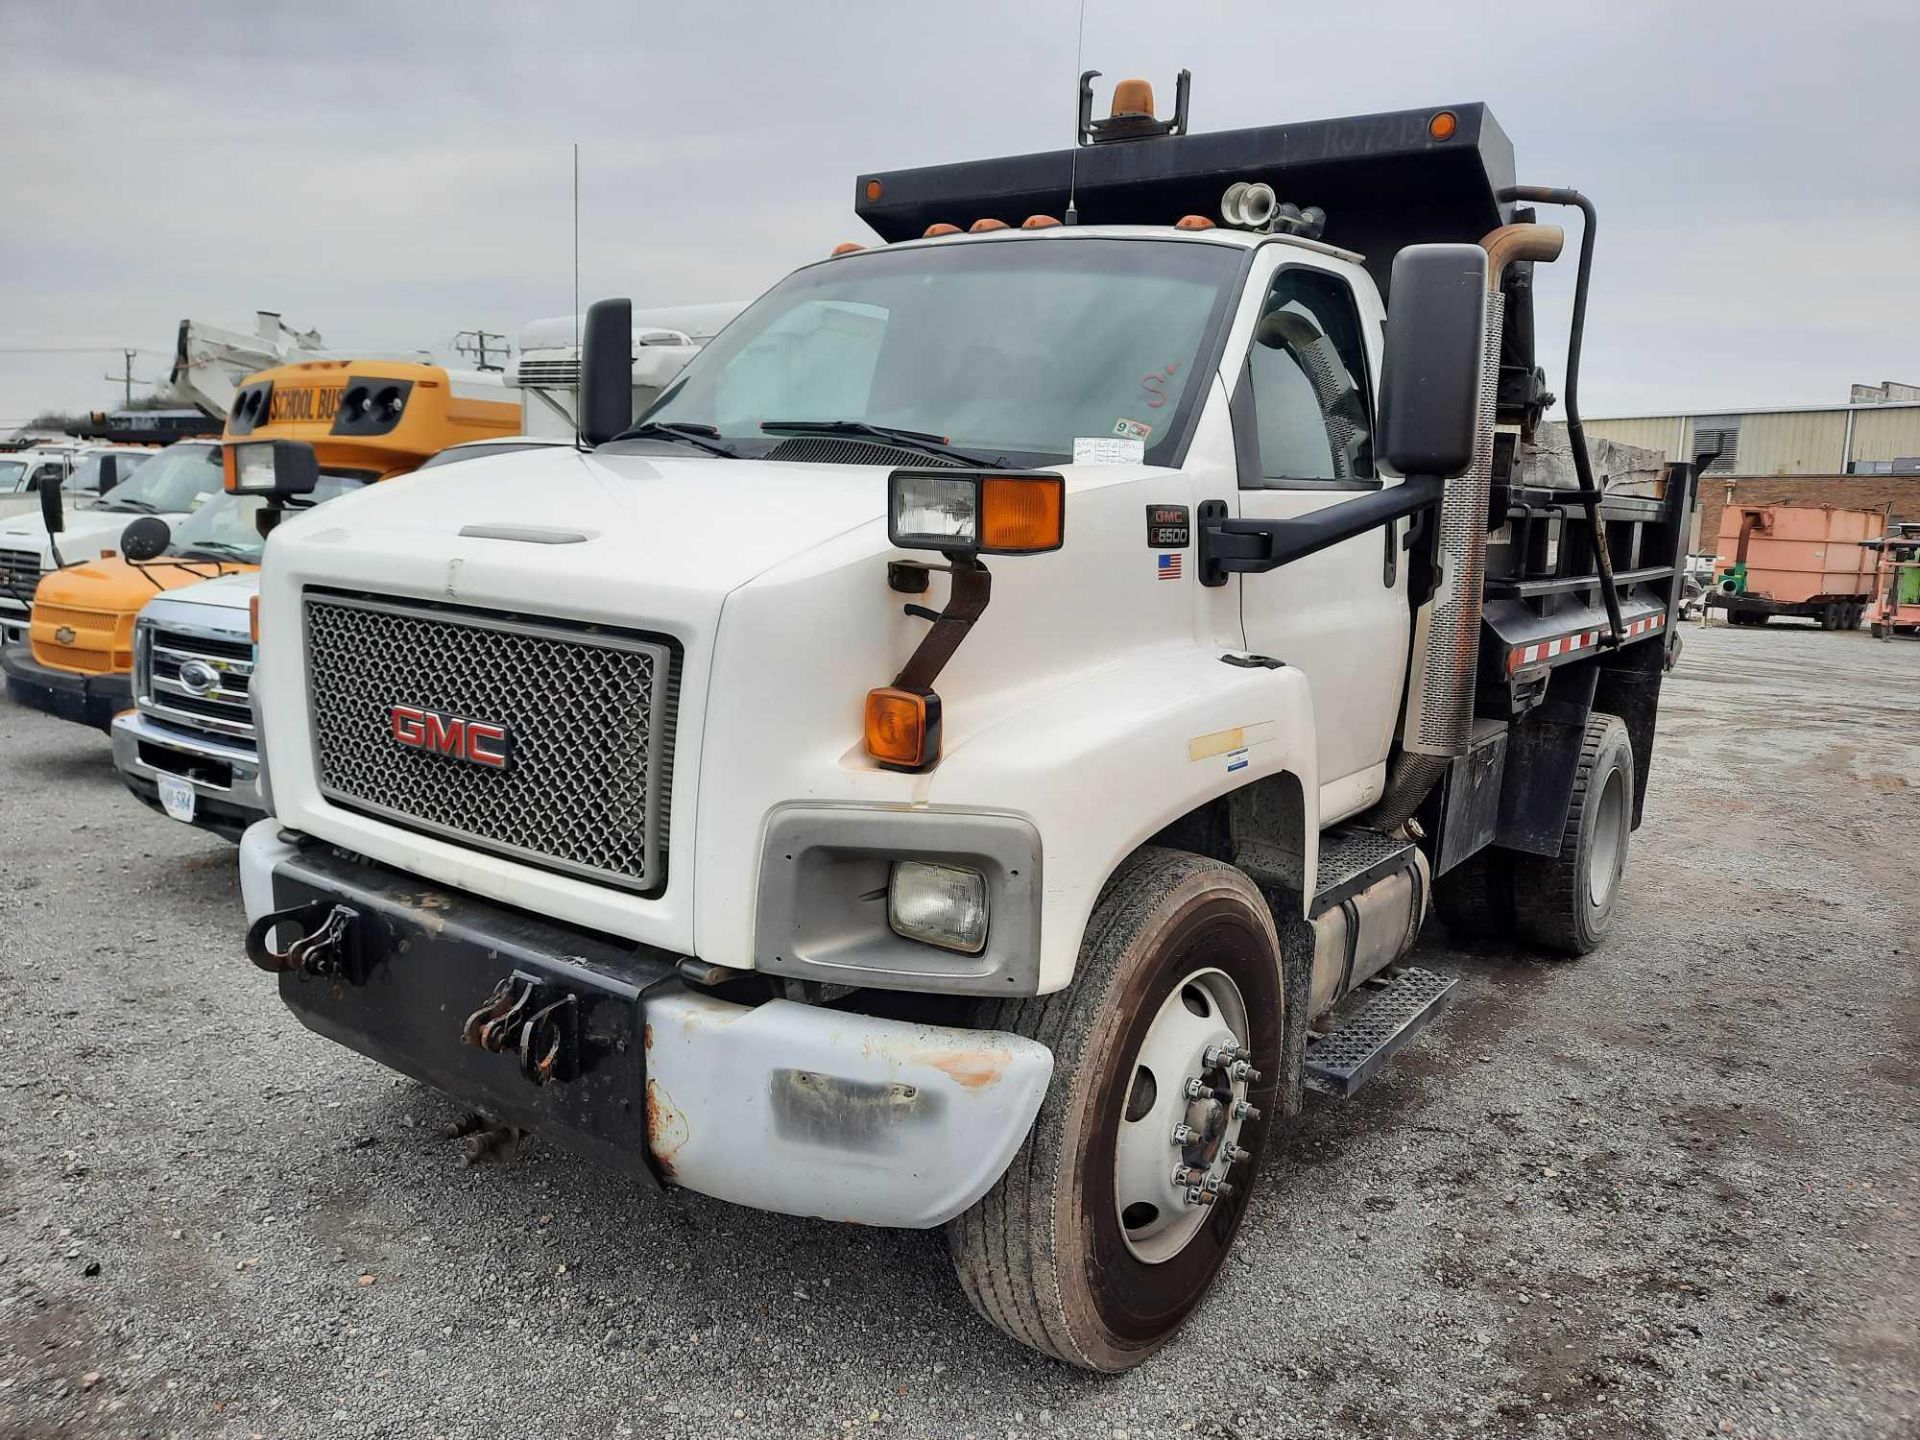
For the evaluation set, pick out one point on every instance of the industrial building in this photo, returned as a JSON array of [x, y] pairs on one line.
[[1863, 454]]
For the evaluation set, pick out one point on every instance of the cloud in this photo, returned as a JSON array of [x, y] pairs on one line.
[[394, 173]]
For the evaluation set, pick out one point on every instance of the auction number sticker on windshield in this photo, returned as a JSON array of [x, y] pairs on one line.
[[1132, 429], [1108, 450]]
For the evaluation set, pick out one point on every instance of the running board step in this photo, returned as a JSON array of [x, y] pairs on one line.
[[1341, 1061], [1351, 860]]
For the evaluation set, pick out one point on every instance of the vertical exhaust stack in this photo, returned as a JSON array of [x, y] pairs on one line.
[[1438, 722]]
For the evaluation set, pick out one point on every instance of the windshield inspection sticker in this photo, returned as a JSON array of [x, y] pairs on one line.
[[1132, 429], [1108, 450]]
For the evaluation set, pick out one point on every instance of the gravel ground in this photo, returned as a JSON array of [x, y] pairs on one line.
[[1668, 1190]]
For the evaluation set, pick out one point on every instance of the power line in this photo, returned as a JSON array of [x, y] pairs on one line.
[[77, 350]]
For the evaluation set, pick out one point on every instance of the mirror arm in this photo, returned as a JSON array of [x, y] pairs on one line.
[[1252, 547]]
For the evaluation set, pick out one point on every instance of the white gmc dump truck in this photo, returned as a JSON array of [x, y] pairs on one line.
[[981, 746]]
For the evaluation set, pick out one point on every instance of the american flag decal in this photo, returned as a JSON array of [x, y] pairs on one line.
[[1170, 566]]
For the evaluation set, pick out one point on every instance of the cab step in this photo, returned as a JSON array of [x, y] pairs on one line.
[[1402, 1004], [1351, 860]]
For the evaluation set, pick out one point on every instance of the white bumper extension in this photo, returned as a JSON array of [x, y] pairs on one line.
[[809, 1111]]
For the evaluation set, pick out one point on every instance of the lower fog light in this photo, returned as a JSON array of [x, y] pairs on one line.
[[944, 905]]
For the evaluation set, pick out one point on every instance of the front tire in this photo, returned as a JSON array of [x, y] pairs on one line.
[[1086, 1249], [1567, 903]]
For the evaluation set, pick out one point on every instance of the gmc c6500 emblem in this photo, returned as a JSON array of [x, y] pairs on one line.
[[479, 742]]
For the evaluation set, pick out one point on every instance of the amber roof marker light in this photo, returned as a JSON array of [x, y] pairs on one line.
[[1443, 125]]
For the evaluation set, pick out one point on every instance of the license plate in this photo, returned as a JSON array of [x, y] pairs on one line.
[[176, 797]]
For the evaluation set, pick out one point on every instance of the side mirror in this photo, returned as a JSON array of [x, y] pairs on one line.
[[272, 469], [52, 508], [606, 371], [109, 472], [145, 539], [1436, 340]]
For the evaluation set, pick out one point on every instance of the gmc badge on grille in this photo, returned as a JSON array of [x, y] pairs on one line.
[[479, 742]]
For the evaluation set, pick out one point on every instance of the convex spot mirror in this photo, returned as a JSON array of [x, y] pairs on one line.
[[145, 539]]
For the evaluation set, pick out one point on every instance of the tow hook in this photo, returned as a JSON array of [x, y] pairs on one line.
[[536, 1021], [331, 943]]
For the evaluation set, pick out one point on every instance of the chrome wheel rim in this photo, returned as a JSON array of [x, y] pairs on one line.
[[1609, 840], [1186, 1106]]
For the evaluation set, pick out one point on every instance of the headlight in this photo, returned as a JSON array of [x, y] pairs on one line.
[[944, 905], [1020, 514], [934, 513]]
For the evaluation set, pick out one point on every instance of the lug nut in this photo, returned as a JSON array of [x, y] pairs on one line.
[[1238, 1156], [1241, 1070], [1218, 1188], [1183, 1176], [1184, 1134], [1243, 1111], [1224, 1054], [1197, 1196]]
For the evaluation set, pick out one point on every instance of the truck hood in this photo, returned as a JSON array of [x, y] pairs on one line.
[[227, 592], [88, 532], [685, 529]]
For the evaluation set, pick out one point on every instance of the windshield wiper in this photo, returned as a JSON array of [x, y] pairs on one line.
[[141, 507], [221, 550], [701, 436], [922, 440]]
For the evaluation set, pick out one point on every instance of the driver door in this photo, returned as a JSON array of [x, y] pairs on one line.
[[1303, 421]]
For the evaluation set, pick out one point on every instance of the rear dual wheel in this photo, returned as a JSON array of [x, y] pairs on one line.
[[1564, 902], [1114, 1218]]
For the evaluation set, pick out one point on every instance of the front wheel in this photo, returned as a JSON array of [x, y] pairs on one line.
[[1114, 1218], [1567, 902]]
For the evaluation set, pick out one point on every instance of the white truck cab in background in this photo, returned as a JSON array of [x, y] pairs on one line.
[[547, 369], [170, 483]]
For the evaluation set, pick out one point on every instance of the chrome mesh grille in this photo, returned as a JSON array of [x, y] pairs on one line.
[[586, 710]]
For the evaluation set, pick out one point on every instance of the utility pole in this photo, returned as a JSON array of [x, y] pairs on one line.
[[474, 342], [125, 377]]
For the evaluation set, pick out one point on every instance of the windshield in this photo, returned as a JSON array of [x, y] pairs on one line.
[[224, 528], [85, 479], [10, 473], [1009, 349], [173, 481]]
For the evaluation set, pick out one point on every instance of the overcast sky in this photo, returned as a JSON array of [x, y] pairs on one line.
[[392, 173]]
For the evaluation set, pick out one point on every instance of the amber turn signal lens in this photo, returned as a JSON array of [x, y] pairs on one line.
[[1021, 515], [229, 474], [1442, 125], [903, 727], [875, 189], [253, 617]]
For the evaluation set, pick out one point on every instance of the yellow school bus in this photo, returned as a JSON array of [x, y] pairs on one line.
[[366, 420]]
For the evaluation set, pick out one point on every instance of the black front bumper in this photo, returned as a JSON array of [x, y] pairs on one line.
[[89, 699], [417, 966]]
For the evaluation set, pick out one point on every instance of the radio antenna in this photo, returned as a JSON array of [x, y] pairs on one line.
[[579, 360], [1072, 216]]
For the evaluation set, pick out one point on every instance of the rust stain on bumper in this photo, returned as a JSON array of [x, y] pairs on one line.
[[666, 1128]]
